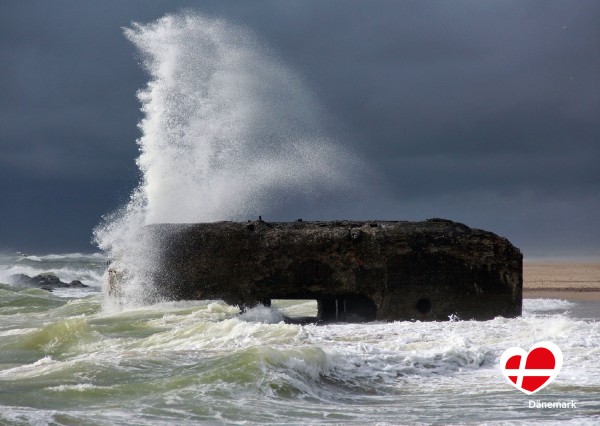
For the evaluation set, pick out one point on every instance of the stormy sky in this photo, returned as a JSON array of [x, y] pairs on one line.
[[484, 112]]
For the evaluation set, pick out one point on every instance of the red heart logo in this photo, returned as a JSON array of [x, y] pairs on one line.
[[534, 370]]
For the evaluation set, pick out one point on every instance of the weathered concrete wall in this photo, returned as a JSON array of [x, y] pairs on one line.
[[355, 270]]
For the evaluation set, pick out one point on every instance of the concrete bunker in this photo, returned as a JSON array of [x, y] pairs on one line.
[[356, 271]]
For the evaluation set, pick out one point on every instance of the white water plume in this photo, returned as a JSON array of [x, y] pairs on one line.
[[228, 129], [229, 132]]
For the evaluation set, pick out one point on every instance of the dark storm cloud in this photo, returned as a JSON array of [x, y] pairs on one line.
[[68, 96], [485, 112]]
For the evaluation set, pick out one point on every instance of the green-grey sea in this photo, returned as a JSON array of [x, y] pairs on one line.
[[73, 357]]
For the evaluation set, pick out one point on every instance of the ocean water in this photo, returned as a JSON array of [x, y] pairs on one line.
[[69, 357]]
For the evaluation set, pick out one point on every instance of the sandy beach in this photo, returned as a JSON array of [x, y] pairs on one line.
[[562, 280]]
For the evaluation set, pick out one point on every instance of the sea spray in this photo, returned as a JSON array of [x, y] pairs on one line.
[[229, 132]]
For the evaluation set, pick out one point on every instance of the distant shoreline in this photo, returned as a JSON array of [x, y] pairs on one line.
[[572, 280]]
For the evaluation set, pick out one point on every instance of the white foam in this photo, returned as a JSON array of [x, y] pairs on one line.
[[40, 367], [263, 314], [34, 258], [26, 415], [531, 306], [99, 257], [87, 268], [16, 331], [80, 387]]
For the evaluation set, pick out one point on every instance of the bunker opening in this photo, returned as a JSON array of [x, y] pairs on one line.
[[345, 308], [348, 308]]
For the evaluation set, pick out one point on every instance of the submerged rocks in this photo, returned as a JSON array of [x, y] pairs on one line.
[[357, 271], [46, 281]]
